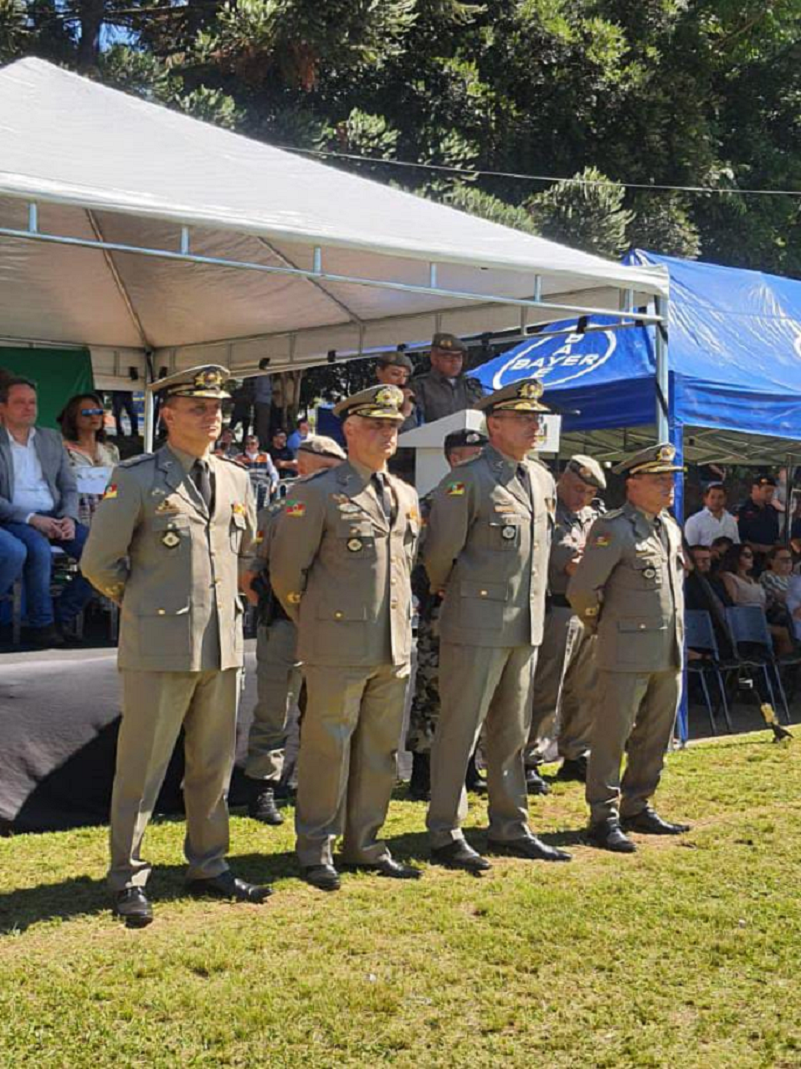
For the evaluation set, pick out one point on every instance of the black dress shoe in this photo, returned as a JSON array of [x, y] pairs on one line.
[[391, 868], [420, 783], [262, 807], [528, 847], [573, 770], [132, 906], [607, 835], [228, 886], [458, 855], [323, 877], [535, 784], [650, 823]]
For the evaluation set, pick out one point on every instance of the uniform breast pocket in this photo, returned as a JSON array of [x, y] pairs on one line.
[[645, 573], [172, 533], [356, 540], [236, 530], [505, 533]]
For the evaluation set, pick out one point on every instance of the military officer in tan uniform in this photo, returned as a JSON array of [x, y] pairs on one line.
[[341, 562], [166, 544], [278, 673], [486, 546], [628, 587], [566, 678]]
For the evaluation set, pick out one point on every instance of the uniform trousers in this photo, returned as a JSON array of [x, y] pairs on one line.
[[635, 715], [479, 683], [347, 763], [278, 682], [155, 705], [564, 687]]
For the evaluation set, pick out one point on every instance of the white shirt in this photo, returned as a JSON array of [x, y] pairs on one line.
[[31, 491], [703, 528]]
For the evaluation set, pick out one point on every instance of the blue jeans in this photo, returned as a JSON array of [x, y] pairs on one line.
[[21, 546]]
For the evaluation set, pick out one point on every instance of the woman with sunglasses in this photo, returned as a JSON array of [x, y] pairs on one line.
[[82, 420], [735, 571]]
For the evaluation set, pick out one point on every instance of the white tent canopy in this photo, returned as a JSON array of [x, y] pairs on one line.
[[128, 227]]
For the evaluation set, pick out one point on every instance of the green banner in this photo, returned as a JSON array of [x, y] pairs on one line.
[[58, 374]]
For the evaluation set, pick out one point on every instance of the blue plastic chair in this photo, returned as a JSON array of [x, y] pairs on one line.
[[699, 635], [748, 625]]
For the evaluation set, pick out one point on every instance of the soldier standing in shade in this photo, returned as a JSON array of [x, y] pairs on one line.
[[395, 369], [445, 389], [341, 562], [459, 447], [566, 678], [278, 671], [486, 546], [166, 544], [629, 587]]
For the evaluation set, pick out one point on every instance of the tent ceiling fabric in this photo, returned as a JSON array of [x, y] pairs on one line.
[[101, 165]]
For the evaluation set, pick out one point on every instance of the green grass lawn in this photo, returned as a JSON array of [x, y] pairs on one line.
[[685, 954]]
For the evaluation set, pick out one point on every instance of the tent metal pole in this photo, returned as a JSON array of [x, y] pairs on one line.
[[662, 380], [149, 421]]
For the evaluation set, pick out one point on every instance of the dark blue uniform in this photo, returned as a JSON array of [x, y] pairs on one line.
[[758, 524]]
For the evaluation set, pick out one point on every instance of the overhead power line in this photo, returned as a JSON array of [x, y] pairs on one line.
[[655, 187]]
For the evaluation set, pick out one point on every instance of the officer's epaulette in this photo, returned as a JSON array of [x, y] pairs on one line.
[[229, 460], [611, 514], [140, 458], [314, 475]]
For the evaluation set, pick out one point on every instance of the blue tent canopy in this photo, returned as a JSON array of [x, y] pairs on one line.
[[734, 357]]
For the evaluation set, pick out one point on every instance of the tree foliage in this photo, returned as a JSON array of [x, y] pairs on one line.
[[657, 92]]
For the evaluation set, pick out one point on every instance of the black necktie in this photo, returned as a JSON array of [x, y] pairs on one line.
[[384, 495], [525, 481], [201, 477], [661, 533]]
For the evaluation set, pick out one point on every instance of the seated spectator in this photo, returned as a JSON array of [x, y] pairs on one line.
[[282, 456], [445, 389], [743, 589], [795, 520], [298, 436], [794, 604], [82, 428], [757, 519], [718, 550], [262, 471], [776, 581], [702, 593], [713, 521], [38, 505], [226, 444]]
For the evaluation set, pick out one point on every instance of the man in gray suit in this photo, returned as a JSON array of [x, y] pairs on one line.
[[167, 543], [486, 546], [341, 562], [628, 588], [38, 508]]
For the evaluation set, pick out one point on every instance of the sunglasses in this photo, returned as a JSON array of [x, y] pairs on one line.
[[91, 411]]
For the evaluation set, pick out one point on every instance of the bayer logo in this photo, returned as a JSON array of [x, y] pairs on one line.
[[558, 360]]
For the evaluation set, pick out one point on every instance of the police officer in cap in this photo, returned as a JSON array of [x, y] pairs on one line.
[[628, 587], [341, 563], [166, 544], [486, 547], [445, 389], [278, 671], [424, 712], [564, 686]]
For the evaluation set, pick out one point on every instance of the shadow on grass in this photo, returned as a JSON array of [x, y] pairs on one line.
[[80, 895]]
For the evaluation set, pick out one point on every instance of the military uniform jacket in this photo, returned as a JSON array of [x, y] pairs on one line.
[[342, 570], [154, 549], [630, 587], [569, 539], [487, 545], [436, 397]]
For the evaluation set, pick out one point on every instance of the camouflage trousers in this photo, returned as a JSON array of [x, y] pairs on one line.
[[424, 711]]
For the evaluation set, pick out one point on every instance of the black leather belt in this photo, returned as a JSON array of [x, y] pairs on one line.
[[558, 601]]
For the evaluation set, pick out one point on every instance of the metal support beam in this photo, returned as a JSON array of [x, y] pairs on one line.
[[317, 272], [662, 377]]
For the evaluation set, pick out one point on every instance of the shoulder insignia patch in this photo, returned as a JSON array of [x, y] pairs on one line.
[[259, 538], [238, 508], [296, 509], [602, 540], [111, 492], [456, 489]]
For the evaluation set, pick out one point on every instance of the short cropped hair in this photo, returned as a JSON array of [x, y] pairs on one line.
[[10, 383]]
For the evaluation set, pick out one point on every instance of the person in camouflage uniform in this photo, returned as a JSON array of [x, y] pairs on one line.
[[459, 446]]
